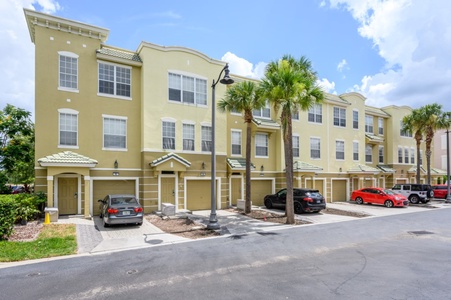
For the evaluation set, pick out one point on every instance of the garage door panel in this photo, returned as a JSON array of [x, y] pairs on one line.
[[339, 190], [259, 189], [198, 194], [101, 188]]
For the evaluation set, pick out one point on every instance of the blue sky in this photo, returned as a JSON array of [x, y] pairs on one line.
[[392, 52]]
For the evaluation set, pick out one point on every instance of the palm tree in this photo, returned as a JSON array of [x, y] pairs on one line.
[[431, 114], [290, 85], [413, 123], [244, 97]]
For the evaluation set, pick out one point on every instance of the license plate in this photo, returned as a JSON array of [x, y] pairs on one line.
[[125, 213], [318, 201]]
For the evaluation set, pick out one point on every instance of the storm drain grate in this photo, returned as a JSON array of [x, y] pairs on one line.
[[420, 232]]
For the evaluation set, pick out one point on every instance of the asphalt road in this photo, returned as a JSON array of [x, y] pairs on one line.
[[404, 256]]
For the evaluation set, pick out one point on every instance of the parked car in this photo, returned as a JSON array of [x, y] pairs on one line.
[[376, 195], [440, 191], [121, 209], [415, 192], [17, 189], [305, 200]]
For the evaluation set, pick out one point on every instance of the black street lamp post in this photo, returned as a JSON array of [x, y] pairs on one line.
[[213, 221], [448, 196]]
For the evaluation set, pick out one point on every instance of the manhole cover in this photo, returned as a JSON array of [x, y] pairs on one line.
[[420, 232]]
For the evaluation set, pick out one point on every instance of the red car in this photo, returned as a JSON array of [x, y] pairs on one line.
[[375, 195], [440, 190]]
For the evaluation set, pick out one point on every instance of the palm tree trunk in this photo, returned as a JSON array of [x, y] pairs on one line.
[[418, 140], [288, 145], [247, 206]]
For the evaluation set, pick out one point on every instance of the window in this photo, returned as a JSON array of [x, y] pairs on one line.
[[355, 150], [187, 89], [381, 154], [412, 156], [206, 138], [355, 119], [368, 154], [381, 126], [168, 128], [68, 70], [339, 117], [236, 142], [404, 133], [406, 155], [369, 124], [340, 150], [188, 137], [68, 129], [315, 148], [315, 113], [421, 157], [264, 112], [114, 80], [114, 132], [400, 155], [295, 146], [295, 115], [261, 144]]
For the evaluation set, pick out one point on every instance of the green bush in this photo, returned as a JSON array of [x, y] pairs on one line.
[[7, 215], [26, 207]]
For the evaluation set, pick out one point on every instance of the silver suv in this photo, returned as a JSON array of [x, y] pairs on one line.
[[415, 192]]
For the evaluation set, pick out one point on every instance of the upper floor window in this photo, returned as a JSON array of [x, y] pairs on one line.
[[236, 142], [404, 133], [68, 128], [369, 124], [340, 150], [381, 126], [261, 144], [114, 80], [381, 154], [186, 89], [315, 113], [295, 146], [355, 119], [421, 157], [264, 112], [412, 155], [368, 154], [295, 115], [68, 71], [188, 137], [355, 150], [400, 155], [315, 148], [114, 132], [339, 117], [406, 155], [206, 138], [168, 128]]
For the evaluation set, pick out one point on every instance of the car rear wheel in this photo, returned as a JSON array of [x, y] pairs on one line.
[[268, 203], [105, 224], [359, 200], [388, 203], [414, 199], [298, 208]]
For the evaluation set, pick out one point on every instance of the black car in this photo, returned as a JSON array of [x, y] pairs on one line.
[[305, 200], [121, 209]]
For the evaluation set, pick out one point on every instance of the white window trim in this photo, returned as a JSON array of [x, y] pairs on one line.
[[310, 147], [372, 158], [333, 117], [358, 152], [241, 143], [358, 114], [255, 142], [183, 137], [126, 135], [299, 145], [187, 74], [115, 96], [73, 55], [344, 150], [71, 112]]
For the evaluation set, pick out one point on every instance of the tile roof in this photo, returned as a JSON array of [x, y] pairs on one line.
[[120, 54], [169, 156], [376, 111], [266, 123], [67, 158], [358, 168], [238, 164], [303, 166], [374, 138], [437, 171], [386, 169], [414, 170]]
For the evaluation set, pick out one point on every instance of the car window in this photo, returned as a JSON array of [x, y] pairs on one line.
[[396, 187], [313, 194], [389, 192], [416, 188], [124, 200], [282, 193], [406, 187]]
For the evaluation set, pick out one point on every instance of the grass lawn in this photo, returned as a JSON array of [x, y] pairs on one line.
[[53, 240]]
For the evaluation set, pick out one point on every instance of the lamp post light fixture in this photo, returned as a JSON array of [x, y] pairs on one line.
[[213, 221]]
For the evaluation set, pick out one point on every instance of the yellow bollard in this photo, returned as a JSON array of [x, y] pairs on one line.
[[47, 218]]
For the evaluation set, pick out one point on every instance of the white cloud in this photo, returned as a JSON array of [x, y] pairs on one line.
[[414, 39], [342, 65], [17, 52], [326, 85], [242, 67]]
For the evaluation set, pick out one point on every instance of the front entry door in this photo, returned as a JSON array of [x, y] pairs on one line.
[[168, 190], [67, 196]]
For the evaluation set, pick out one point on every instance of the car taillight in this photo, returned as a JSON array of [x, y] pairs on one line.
[[112, 211], [308, 199], [138, 209]]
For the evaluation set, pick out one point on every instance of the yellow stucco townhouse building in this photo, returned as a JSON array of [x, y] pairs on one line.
[[111, 120]]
